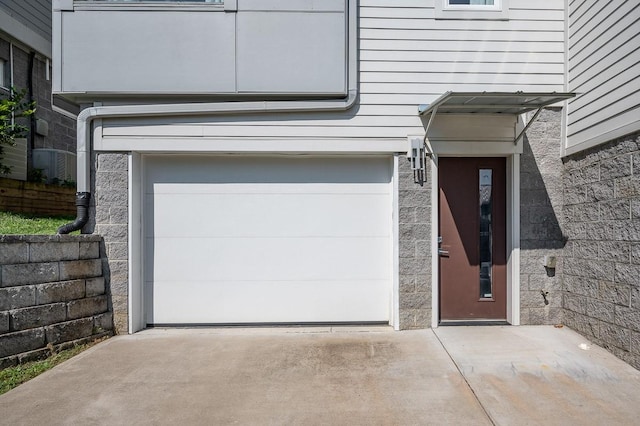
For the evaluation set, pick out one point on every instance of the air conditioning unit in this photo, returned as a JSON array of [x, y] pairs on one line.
[[55, 164]]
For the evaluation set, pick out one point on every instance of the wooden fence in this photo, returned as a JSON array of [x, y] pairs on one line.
[[36, 198]]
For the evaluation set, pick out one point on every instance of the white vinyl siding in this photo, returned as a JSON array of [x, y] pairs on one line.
[[407, 58], [604, 69], [34, 14]]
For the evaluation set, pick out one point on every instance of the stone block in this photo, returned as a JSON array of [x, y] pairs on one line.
[[53, 251], [37, 316], [615, 335], [635, 341], [9, 361], [616, 167], [615, 210], [423, 318], [627, 187], [575, 303], [118, 251], [409, 198], [113, 233], [619, 294], [14, 252], [599, 191], [4, 322], [113, 162], [635, 297], [407, 319], [60, 292], [423, 248], [111, 197], [29, 273], [87, 307], [71, 270], [69, 330], [585, 249], [416, 300], [17, 297], [627, 318], [107, 180], [407, 284], [407, 215], [626, 230], [635, 207], [407, 248], [594, 269], [423, 283], [21, 341], [89, 250], [103, 322], [627, 274], [615, 250], [95, 286], [119, 215], [600, 310], [410, 266]]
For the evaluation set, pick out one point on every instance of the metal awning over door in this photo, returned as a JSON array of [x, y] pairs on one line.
[[503, 103]]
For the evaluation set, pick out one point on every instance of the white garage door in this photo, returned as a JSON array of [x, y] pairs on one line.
[[282, 239]]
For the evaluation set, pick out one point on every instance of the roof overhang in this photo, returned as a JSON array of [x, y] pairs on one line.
[[502, 103]]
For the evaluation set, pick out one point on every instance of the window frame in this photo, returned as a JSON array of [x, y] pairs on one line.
[[498, 11]]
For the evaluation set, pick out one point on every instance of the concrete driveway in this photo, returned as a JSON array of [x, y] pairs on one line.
[[326, 376]]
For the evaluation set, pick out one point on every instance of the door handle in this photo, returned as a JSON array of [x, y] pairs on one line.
[[442, 252]]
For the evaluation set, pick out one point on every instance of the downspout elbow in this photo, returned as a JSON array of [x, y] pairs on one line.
[[82, 216]]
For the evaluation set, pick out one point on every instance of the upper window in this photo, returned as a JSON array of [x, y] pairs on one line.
[[472, 9], [5, 73]]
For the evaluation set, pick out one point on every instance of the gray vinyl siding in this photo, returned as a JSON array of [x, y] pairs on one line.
[[35, 14], [407, 58], [604, 69]]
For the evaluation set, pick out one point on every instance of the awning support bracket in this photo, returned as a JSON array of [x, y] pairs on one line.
[[526, 127]]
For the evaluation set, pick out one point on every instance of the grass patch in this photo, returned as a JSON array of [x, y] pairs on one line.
[[27, 224], [13, 376]]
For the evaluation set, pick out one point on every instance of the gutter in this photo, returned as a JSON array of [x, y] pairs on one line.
[[86, 116]]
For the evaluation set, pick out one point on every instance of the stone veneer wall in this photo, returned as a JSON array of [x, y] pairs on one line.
[[541, 198], [414, 205], [109, 218], [602, 258], [52, 295]]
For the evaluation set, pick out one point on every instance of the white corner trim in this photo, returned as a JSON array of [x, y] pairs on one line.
[[513, 239], [395, 311], [435, 259]]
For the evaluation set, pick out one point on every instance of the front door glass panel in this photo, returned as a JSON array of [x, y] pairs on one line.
[[486, 232]]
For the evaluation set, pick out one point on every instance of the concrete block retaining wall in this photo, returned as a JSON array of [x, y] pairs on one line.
[[601, 278], [52, 294]]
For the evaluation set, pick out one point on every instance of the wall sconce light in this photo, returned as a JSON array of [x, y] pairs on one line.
[[416, 153]]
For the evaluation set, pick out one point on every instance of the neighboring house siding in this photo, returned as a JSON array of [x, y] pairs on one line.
[[407, 58], [604, 69], [35, 14]]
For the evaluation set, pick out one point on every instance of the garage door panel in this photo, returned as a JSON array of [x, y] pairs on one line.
[[264, 215], [241, 239], [249, 302], [269, 259], [264, 170], [271, 188]]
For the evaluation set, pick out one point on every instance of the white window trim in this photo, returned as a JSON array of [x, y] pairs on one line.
[[498, 11]]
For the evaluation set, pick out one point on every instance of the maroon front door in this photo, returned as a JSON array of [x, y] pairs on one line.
[[472, 230]]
